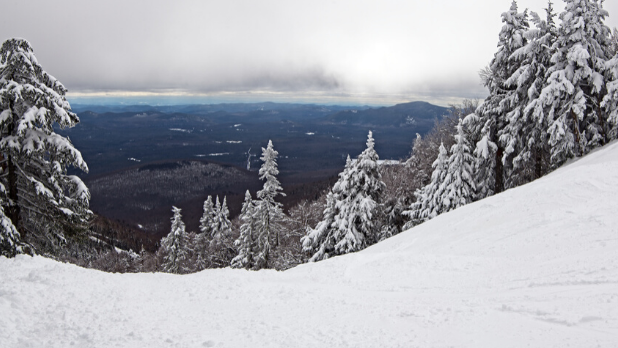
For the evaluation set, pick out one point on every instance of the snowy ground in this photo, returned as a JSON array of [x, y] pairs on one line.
[[536, 266]]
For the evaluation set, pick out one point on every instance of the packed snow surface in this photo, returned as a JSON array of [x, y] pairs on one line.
[[536, 266]]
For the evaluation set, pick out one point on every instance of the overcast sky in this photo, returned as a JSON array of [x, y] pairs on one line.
[[344, 51]]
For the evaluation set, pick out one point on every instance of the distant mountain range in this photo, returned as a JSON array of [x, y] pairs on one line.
[[415, 114], [116, 137], [120, 143]]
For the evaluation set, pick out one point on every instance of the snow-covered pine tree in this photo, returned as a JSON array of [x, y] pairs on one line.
[[245, 243], [351, 209], [208, 217], [419, 151], [9, 237], [610, 101], [525, 136], [267, 211], [319, 241], [40, 199], [459, 185], [356, 228], [202, 241], [222, 226], [503, 98], [428, 203], [485, 162], [174, 245], [576, 83]]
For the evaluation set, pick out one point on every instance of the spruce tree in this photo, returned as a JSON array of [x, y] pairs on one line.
[[208, 217], [267, 211], [610, 101], [351, 209], [320, 241], [245, 243], [576, 83], [484, 164], [174, 245], [494, 112], [525, 135], [428, 199], [222, 226], [460, 188], [40, 199], [9, 237]]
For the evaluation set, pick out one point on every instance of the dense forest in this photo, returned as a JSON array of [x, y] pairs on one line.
[[553, 96]]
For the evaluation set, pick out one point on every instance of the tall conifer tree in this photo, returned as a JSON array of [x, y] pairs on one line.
[[576, 83], [501, 104], [267, 211], [349, 216], [40, 199]]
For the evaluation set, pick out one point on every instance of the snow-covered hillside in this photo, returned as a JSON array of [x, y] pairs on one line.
[[536, 266]]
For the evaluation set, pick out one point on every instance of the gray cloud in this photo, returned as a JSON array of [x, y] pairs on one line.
[[321, 47]]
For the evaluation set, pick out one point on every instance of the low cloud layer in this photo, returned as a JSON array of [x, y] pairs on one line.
[[346, 47]]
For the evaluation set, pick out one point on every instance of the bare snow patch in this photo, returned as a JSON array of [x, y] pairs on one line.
[[181, 130]]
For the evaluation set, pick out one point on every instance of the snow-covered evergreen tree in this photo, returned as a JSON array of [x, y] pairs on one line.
[[525, 136], [501, 104], [320, 241], [485, 162], [610, 101], [576, 83], [221, 225], [428, 203], [613, 47], [9, 237], [419, 151], [267, 211], [40, 199], [202, 241], [349, 216], [208, 217], [174, 245], [245, 243], [459, 185]]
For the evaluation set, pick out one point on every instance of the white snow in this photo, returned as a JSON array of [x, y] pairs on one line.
[[181, 130], [213, 154], [535, 266], [234, 141]]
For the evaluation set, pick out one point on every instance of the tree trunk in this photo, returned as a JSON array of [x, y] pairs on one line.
[[579, 149], [538, 162], [13, 208], [498, 171]]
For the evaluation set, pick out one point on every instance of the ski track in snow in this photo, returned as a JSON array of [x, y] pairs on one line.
[[535, 266]]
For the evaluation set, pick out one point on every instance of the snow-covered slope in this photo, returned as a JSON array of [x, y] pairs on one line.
[[536, 266]]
